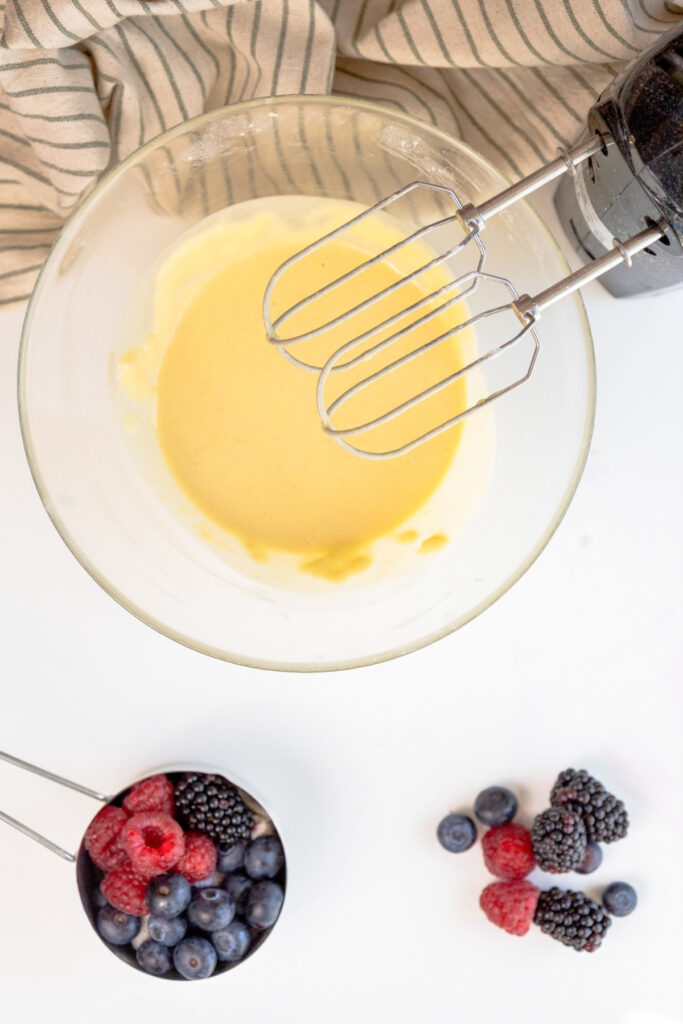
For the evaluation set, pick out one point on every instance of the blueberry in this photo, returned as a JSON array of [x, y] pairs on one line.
[[168, 895], [264, 857], [231, 858], [264, 904], [167, 930], [212, 882], [98, 898], [211, 910], [592, 859], [154, 958], [495, 806], [238, 886], [619, 898], [456, 833], [116, 927], [232, 942], [194, 958]]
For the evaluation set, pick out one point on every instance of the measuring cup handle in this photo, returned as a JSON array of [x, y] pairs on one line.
[[61, 781]]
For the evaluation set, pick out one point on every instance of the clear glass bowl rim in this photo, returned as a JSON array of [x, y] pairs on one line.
[[63, 240]]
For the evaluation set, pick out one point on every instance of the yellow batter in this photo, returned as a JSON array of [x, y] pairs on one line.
[[238, 424]]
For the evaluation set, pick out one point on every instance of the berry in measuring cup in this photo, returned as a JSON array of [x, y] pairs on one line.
[[183, 875]]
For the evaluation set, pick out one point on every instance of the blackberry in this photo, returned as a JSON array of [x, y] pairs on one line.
[[210, 804], [558, 837], [572, 918], [604, 816]]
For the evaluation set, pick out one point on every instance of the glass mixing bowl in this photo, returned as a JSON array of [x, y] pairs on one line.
[[526, 452]]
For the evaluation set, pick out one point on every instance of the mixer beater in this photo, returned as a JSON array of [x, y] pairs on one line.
[[622, 195], [471, 221]]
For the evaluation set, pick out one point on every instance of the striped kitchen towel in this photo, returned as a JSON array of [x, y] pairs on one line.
[[82, 84]]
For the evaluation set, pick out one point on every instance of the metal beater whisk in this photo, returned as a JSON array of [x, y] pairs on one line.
[[471, 219]]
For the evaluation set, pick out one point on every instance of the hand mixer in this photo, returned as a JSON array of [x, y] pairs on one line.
[[647, 98]]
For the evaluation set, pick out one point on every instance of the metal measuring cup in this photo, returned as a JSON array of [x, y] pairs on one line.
[[88, 876]]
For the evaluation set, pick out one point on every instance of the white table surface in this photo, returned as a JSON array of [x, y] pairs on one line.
[[579, 664]]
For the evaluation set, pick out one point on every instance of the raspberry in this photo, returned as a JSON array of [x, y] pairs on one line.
[[125, 889], [101, 839], [199, 859], [153, 841], [508, 852], [510, 905], [152, 794]]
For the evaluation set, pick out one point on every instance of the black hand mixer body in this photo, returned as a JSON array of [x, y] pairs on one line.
[[637, 177]]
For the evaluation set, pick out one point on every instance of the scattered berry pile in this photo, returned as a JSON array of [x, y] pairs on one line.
[[563, 838], [185, 879]]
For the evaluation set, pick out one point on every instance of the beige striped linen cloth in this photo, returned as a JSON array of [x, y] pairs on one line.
[[83, 84]]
